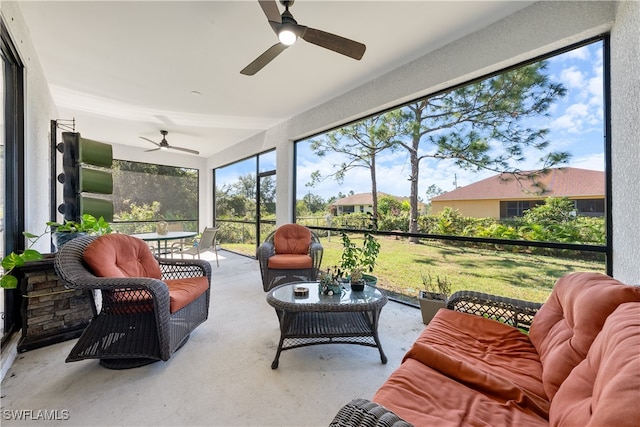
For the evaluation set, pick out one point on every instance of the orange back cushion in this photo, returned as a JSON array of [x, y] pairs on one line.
[[604, 389], [565, 327], [292, 239], [121, 255]]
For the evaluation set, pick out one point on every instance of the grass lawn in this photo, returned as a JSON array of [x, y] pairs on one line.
[[401, 265]]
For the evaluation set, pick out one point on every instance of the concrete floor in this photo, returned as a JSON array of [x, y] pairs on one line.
[[221, 377]]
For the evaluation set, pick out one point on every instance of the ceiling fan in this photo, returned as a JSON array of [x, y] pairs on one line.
[[164, 145], [288, 31]]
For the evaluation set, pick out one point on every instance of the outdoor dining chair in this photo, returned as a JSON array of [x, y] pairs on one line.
[[206, 243]]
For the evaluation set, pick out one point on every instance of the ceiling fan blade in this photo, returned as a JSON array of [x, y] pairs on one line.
[[270, 9], [263, 59], [153, 142], [350, 48], [187, 150], [153, 149]]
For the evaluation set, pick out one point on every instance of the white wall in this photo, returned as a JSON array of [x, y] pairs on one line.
[[536, 30], [625, 134], [39, 111]]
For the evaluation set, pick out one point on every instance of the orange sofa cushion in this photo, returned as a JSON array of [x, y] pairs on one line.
[[292, 239], [478, 371], [121, 255], [565, 327], [604, 389], [425, 397], [184, 291]]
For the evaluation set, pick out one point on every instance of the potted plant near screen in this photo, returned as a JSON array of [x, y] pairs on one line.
[[434, 295], [61, 233], [357, 261]]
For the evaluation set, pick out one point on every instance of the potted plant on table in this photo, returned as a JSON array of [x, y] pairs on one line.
[[356, 260], [61, 233], [434, 295]]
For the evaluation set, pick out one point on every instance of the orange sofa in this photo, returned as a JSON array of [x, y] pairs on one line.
[[578, 366]]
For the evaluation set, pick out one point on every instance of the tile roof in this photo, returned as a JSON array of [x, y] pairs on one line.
[[559, 182], [363, 199]]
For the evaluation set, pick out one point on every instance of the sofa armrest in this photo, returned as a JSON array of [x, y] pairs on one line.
[[515, 312], [362, 412]]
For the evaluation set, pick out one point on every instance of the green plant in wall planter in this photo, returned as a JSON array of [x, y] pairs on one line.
[[357, 261], [68, 230], [434, 296], [62, 233]]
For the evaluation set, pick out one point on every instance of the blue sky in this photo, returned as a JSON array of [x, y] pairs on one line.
[[576, 125]]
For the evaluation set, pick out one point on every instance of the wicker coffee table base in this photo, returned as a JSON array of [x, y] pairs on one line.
[[301, 329]]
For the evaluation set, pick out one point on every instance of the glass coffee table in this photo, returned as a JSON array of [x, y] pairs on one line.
[[348, 318]]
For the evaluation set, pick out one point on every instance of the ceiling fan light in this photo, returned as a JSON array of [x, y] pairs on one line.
[[164, 148], [287, 37]]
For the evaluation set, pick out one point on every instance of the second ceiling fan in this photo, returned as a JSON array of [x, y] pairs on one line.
[[288, 31], [164, 145]]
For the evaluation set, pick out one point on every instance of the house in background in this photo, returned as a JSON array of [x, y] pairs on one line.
[[362, 203], [505, 197]]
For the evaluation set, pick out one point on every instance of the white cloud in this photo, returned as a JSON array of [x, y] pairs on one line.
[[572, 78]]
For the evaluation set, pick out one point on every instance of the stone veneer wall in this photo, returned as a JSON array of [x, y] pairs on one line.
[[50, 312]]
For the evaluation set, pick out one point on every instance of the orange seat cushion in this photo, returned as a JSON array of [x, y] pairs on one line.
[[183, 291], [290, 262], [121, 255], [292, 239]]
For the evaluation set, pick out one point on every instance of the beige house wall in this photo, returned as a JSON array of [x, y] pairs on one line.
[[472, 208], [489, 208]]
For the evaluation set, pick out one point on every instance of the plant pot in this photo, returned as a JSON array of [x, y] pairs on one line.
[[62, 237], [430, 303], [358, 286], [370, 280]]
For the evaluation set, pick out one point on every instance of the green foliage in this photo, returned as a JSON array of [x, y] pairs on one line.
[[388, 205], [554, 210], [173, 189], [87, 224], [361, 258], [441, 285]]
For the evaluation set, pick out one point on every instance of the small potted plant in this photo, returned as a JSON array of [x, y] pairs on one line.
[[61, 234], [357, 282], [360, 260], [68, 230], [330, 282], [434, 295]]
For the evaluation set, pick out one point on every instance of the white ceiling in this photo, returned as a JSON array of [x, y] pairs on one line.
[[128, 69]]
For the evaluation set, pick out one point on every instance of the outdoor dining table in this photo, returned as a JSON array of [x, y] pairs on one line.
[[162, 239]]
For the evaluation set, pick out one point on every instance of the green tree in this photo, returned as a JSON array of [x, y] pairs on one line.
[[314, 202], [388, 205], [359, 144], [556, 210], [481, 126], [142, 184]]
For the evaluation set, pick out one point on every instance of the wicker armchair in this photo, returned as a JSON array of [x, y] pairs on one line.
[[141, 319], [363, 412], [290, 253]]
